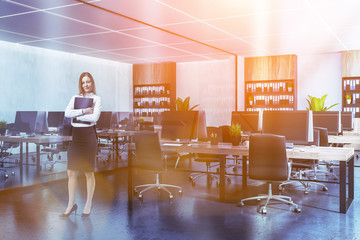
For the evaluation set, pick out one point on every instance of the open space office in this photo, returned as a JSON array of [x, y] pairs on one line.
[[227, 56]]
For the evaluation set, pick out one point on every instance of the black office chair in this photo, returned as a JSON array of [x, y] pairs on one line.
[[226, 138], [209, 159], [324, 142], [268, 161], [6, 155], [149, 156], [54, 150], [301, 166]]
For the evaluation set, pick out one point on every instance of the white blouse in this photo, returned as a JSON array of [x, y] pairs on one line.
[[72, 113]]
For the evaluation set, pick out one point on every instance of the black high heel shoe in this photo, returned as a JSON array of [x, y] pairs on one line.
[[74, 208], [86, 214]]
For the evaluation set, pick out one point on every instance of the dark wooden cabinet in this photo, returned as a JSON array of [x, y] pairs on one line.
[[351, 88]]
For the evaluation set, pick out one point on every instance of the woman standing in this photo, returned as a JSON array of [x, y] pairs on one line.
[[82, 151]]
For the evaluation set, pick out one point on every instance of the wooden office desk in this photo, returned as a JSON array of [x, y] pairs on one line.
[[344, 155], [38, 140]]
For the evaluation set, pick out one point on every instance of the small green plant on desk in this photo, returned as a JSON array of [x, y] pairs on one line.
[[213, 138], [235, 133]]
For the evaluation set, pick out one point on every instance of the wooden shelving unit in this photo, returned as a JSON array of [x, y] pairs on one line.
[[270, 83], [351, 86], [154, 88]]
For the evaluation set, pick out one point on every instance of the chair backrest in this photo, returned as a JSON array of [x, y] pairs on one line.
[[267, 157], [324, 138], [316, 141], [225, 133], [148, 151]]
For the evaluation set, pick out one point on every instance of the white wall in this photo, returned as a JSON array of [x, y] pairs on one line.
[[319, 75], [44, 80], [210, 84]]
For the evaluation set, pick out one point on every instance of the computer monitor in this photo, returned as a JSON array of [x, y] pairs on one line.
[[201, 131], [179, 125], [296, 126], [30, 122], [347, 123], [55, 119], [249, 121], [114, 123], [328, 119], [104, 121], [124, 118]]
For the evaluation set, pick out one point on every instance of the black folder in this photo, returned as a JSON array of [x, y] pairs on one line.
[[81, 103]]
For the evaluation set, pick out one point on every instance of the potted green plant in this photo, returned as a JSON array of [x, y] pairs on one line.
[[348, 98], [235, 133], [290, 87], [317, 104], [184, 105], [251, 100], [3, 125]]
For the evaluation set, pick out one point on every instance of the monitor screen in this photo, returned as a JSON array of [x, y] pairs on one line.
[[55, 119], [347, 121], [249, 121], [124, 118], [328, 119], [296, 126], [179, 125], [104, 121], [30, 122], [114, 120]]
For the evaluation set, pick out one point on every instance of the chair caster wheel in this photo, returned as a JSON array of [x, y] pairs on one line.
[[193, 183], [325, 189], [13, 173], [263, 210], [171, 197], [306, 192], [241, 204], [297, 210], [140, 197], [180, 193], [190, 179], [281, 188]]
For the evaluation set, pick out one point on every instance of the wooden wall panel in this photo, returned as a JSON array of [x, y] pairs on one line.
[[270, 68], [154, 73], [350, 63]]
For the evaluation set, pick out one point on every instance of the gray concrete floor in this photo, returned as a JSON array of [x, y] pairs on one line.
[[31, 211]]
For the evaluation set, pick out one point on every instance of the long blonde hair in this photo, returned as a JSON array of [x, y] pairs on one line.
[[81, 90]]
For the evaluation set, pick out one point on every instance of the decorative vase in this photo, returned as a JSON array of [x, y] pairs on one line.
[[235, 140], [348, 101]]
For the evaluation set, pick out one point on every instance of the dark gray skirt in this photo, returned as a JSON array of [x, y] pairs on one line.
[[83, 148]]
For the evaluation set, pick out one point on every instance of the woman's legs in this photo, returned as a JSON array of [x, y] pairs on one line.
[[72, 183], [90, 187]]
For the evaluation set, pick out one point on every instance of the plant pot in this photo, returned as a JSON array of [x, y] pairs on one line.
[[289, 89], [214, 142], [2, 131], [235, 140], [348, 101], [250, 103]]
